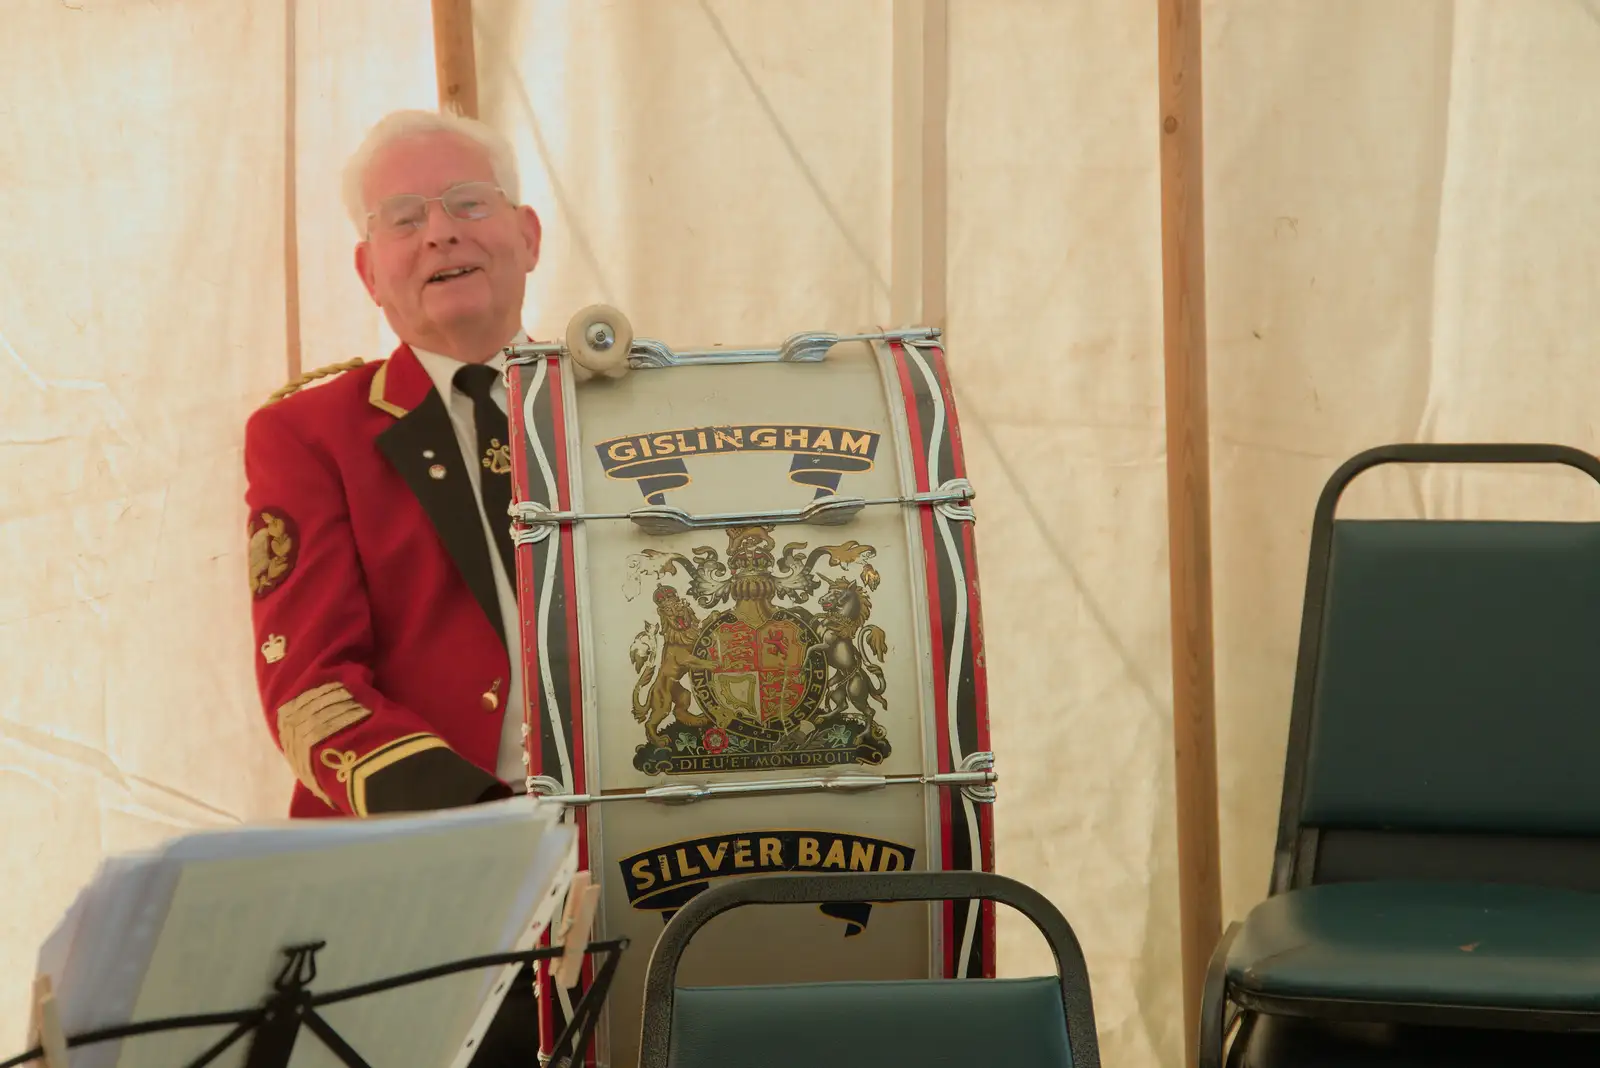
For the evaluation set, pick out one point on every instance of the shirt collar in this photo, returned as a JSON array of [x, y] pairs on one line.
[[442, 369]]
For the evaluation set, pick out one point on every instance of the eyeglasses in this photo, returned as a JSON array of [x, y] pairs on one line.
[[403, 214]]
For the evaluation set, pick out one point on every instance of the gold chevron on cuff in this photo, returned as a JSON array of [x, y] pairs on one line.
[[311, 719], [360, 769]]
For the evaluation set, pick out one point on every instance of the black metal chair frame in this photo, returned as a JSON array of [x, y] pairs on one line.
[[1296, 850], [661, 978]]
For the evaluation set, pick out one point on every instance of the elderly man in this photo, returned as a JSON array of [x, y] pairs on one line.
[[380, 558]]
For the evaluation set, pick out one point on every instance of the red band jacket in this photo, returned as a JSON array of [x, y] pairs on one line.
[[380, 660]]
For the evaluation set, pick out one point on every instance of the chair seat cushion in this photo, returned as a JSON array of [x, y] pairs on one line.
[[1291, 1042], [929, 1023], [1424, 943]]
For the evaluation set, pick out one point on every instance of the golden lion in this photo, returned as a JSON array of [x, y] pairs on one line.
[[660, 671]]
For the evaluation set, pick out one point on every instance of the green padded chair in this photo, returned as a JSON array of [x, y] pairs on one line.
[[1438, 854], [924, 1023]]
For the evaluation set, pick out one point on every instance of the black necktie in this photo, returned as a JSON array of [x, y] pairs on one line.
[[494, 457]]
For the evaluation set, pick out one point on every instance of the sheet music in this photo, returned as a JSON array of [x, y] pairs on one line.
[[198, 926]]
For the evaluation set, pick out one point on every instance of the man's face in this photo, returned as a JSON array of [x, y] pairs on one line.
[[401, 267]]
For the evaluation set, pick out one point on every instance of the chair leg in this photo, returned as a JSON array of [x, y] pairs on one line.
[[1215, 1018]]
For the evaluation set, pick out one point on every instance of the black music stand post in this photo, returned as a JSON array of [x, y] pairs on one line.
[[178, 939]]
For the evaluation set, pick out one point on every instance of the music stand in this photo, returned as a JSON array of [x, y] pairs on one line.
[[418, 924], [276, 1025]]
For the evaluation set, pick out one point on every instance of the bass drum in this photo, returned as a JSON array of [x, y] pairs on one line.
[[751, 643]]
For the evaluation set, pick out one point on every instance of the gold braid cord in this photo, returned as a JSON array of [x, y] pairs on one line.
[[311, 719], [312, 376]]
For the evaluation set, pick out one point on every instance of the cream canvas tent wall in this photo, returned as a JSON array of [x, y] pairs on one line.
[[1399, 217]]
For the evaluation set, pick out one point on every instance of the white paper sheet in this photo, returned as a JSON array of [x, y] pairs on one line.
[[199, 925]]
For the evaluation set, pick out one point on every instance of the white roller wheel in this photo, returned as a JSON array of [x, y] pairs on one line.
[[599, 338]]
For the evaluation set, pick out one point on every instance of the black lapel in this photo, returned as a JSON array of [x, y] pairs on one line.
[[421, 440]]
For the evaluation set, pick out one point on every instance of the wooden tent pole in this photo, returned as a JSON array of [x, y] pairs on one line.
[[1189, 499], [453, 56], [291, 196], [935, 162], [920, 90]]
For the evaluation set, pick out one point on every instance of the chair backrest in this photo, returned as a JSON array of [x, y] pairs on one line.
[[1047, 1022], [929, 1023], [1447, 713]]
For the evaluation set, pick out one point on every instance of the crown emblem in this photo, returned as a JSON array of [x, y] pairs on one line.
[[273, 648], [750, 550]]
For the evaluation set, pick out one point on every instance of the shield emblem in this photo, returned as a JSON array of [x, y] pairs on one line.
[[759, 674]]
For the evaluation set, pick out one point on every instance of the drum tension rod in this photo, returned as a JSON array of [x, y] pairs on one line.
[[976, 780], [797, 348], [535, 520]]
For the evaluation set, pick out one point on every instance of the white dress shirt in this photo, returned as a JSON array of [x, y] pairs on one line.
[[442, 370]]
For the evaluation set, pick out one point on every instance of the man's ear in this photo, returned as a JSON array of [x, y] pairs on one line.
[[364, 269], [532, 233]]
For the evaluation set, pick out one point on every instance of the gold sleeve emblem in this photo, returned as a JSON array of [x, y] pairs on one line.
[[274, 547], [311, 719]]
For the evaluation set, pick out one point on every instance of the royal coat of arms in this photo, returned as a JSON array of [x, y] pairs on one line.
[[753, 683]]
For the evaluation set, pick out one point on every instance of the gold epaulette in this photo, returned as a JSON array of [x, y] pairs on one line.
[[312, 376]]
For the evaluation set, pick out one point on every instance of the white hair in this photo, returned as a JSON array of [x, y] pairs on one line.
[[398, 125]]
